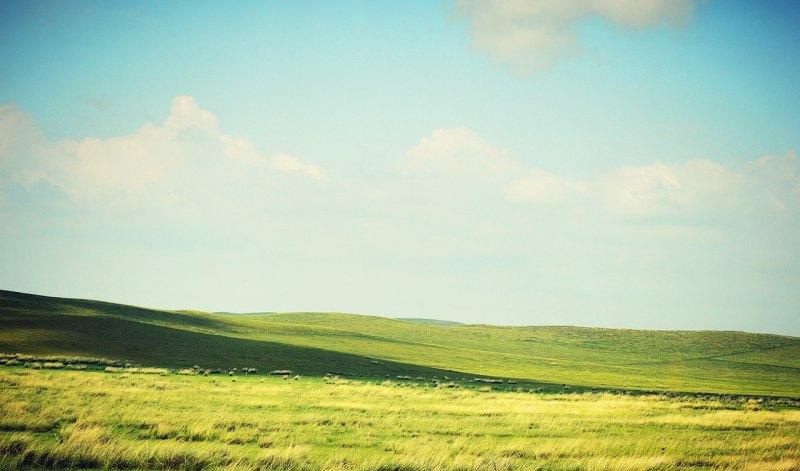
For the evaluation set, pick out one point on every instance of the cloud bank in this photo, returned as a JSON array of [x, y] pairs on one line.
[[188, 160], [684, 192]]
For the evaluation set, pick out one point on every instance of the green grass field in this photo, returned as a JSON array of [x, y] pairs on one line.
[[67, 419], [374, 347]]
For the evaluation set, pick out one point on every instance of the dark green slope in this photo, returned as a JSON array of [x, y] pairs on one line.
[[316, 343], [148, 344], [74, 327], [31, 304]]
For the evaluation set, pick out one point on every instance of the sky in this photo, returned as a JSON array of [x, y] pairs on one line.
[[607, 163]]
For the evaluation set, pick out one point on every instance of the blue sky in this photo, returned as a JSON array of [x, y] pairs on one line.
[[600, 163]]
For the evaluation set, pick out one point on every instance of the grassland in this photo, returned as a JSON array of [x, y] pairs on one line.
[[376, 347], [66, 419], [550, 398]]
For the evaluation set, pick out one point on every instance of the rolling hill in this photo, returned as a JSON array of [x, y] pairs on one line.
[[369, 346]]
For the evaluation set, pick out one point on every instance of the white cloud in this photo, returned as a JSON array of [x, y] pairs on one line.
[[12, 121], [774, 180], [642, 13], [186, 113], [459, 151], [22, 148], [291, 164], [658, 188], [91, 167], [527, 35], [241, 150], [168, 162], [703, 187], [698, 189]]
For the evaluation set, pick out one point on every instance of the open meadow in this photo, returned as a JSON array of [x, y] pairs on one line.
[[105, 386], [86, 419]]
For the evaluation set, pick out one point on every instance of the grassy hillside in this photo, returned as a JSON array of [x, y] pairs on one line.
[[316, 343]]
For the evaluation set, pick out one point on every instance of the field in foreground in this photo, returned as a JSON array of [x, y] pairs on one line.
[[374, 347], [59, 419]]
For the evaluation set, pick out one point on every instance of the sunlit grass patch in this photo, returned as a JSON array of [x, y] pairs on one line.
[[63, 419]]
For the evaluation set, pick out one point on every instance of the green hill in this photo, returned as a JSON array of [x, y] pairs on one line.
[[317, 343]]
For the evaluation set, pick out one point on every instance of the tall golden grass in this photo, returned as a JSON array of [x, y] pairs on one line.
[[79, 419]]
